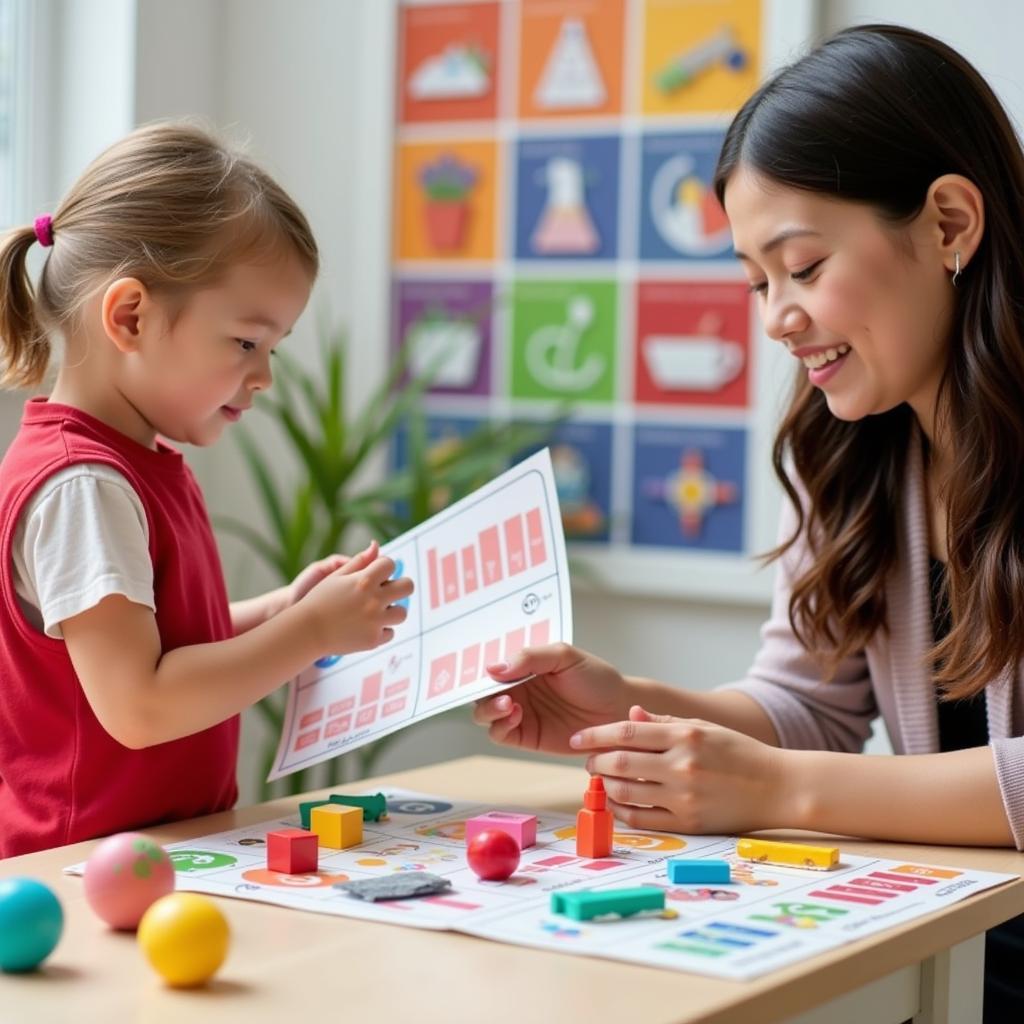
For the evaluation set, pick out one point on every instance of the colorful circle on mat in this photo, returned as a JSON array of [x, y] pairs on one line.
[[185, 861], [372, 862], [328, 662], [31, 922], [445, 829], [417, 807], [261, 876], [637, 840]]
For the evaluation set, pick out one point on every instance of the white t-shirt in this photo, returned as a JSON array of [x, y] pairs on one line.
[[80, 538]]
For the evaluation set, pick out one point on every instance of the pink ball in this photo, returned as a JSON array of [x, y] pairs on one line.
[[124, 875], [493, 854]]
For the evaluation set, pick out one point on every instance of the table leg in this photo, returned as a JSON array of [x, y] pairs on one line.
[[953, 984]]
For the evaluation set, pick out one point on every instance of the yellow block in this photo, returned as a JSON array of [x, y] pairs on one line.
[[337, 825], [792, 854]]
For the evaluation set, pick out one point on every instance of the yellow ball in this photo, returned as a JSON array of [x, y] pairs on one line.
[[185, 938]]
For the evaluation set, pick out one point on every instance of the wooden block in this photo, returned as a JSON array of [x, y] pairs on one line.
[[337, 825], [292, 851]]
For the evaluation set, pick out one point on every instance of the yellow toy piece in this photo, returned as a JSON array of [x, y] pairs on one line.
[[337, 825], [820, 858], [185, 937]]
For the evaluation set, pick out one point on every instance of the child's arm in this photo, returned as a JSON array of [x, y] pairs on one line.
[[255, 610], [693, 776], [143, 696]]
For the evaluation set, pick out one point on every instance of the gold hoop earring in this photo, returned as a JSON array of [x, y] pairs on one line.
[[956, 271]]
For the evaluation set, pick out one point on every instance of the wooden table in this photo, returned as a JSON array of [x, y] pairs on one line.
[[288, 966]]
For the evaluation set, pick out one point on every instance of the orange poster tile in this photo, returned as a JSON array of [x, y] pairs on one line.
[[445, 201], [571, 57], [449, 62]]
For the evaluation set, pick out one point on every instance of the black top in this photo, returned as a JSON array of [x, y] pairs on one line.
[[962, 724]]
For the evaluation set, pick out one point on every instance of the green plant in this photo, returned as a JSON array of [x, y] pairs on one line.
[[335, 492]]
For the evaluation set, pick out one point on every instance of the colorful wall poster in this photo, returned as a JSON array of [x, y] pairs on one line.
[[688, 486], [563, 340], [558, 246], [445, 201], [449, 62], [692, 343], [570, 57], [680, 216], [567, 198], [700, 56], [445, 327], [581, 457]]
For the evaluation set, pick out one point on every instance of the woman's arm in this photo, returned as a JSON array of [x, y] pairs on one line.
[[949, 798]]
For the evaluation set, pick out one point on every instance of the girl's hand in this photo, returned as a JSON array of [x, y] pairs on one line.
[[567, 690], [686, 775], [313, 574], [355, 607]]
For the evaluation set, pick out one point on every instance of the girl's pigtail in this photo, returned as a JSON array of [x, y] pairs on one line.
[[24, 344]]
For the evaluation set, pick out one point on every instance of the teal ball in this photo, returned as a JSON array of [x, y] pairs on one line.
[[31, 921]]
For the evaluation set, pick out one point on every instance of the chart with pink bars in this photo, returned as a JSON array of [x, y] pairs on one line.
[[491, 578]]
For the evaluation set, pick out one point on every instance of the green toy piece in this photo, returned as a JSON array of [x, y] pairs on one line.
[[584, 904], [374, 807]]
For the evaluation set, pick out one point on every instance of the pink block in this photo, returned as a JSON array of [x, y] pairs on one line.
[[336, 726], [292, 851], [311, 718], [435, 596], [540, 632], [521, 827], [449, 579], [442, 675], [470, 665], [339, 707], [515, 544], [307, 739], [515, 641], [492, 652], [371, 689], [490, 555], [469, 577], [392, 707], [535, 537], [366, 716], [393, 689]]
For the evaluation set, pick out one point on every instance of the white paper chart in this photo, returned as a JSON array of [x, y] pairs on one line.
[[491, 578], [767, 918]]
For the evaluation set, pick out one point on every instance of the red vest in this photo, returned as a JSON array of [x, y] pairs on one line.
[[63, 778]]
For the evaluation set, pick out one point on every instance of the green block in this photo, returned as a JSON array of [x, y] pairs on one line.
[[374, 807], [584, 904]]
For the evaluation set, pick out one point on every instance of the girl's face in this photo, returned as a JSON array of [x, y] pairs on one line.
[[201, 370], [861, 303]]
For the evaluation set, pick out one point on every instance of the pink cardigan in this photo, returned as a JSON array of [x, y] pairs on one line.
[[889, 677]]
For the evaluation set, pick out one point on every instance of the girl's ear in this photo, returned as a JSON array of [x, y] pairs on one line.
[[124, 312], [957, 210]]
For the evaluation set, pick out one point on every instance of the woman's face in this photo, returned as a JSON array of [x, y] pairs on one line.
[[867, 307]]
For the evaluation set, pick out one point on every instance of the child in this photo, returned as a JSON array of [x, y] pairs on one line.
[[876, 195], [174, 267]]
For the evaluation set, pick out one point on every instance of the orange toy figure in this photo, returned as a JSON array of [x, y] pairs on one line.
[[594, 822]]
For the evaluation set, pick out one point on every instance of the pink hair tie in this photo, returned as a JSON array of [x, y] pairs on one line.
[[44, 229]]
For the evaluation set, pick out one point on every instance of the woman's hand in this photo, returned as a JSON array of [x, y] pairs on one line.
[[687, 775], [567, 690]]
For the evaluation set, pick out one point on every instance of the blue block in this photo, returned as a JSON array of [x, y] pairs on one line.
[[694, 870]]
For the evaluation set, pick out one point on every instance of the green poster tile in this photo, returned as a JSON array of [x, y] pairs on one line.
[[563, 340]]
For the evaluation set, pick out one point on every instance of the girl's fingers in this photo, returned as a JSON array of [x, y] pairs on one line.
[[626, 764], [361, 560]]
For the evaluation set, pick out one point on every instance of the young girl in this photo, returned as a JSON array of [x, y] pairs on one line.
[[174, 267], [876, 195]]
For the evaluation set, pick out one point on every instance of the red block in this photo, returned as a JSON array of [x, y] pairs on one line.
[[292, 851]]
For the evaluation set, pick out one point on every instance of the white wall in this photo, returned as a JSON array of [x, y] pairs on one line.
[[293, 78]]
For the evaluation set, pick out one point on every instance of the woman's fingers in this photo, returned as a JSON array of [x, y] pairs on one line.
[[491, 709], [654, 736], [536, 661], [626, 764]]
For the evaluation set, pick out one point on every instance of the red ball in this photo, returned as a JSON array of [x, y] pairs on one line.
[[493, 854]]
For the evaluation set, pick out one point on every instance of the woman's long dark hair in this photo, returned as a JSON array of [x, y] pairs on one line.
[[874, 116]]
